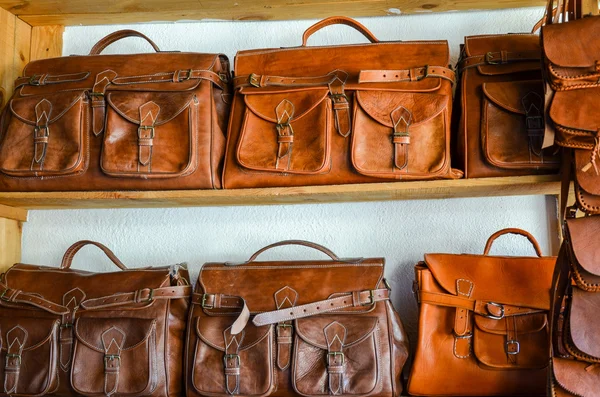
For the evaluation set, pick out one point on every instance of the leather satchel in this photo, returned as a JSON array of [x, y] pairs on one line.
[[484, 320], [289, 328], [116, 122], [501, 104], [74, 333], [340, 114]]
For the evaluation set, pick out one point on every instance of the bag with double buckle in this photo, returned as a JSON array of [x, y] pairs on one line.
[[116, 122], [310, 328], [483, 324], [74, 333]]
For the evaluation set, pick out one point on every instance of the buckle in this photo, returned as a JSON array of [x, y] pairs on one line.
[[223, 77], [387, 285], [2, 296], [516, 344], [150, 297], [335, 354], [489, 59], [234, 356], [111, 357], [66, 325], [425, 75], [285, 325], [9, 356], [336, 97], [189, 75], [491, 316], [35, 79], [371, 299], [96, 94], [253, 80], [534, 122], [467, 336], [204, 305], [145, 128]]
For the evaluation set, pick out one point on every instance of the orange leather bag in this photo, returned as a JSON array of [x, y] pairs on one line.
[[340, 114], [483, 324]]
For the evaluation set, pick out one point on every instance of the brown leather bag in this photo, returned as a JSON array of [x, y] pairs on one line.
[[68, 332], [340, 114], [288, 328], [483, 325], [501, 104], [116, 122]]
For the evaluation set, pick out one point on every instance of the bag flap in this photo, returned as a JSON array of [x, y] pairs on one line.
[[578, 377], [210, 330], [170, 104], [496, 278], [586, 250], [380, 104], [525, 324], [312, 330], [585, 173], [584, 322], [90, 331], [577, 109], [516, 42], [36, 331], [59, 103], [264, 106], [564, 46], [509, 95]]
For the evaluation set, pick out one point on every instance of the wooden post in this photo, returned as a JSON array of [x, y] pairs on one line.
[[11, 225], [589, 7]]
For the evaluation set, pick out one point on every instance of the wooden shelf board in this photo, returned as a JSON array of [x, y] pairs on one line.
[[92, 12], [486, 187]]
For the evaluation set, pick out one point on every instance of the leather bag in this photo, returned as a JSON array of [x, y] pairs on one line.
[[289, 328], [116, 122], [340, 114], [74, 333], [484, 320]]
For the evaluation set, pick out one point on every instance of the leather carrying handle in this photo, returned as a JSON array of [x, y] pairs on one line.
[[118, 35], [338, 21], [308, 244], [519, 232], [72, 250]]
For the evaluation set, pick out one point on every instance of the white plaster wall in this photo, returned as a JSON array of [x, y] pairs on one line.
[[399, 231]]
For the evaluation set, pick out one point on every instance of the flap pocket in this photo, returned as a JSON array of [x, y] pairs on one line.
[[150, 134], [512, 128], [114, 356], [400, 135], [514, 342], [336, 355], [28, 355], [585, 252], [287, 132], [578, 126], [45, 135], [226, 364], [583, 341], [577, 377]]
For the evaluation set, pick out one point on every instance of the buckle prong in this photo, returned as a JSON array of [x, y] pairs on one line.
[[335, 354], [12, 355], [493, 317], [371, 299], [253, 80], [204, 305], [236, 357]]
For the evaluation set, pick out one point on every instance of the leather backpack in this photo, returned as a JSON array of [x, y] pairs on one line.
[[291, 328], [340, 114], [74, 333], [483, 324], [116, 122]]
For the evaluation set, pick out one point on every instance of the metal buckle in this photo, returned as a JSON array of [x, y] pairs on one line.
[[489, 59], [204, 305], [66, 325], [3, 294], [150, 297], [234, 356], [34, 80], [285, 325], [253, 80], [223, 77], [491, 316], [387, 285], [17, 356], [371, 299], [335, 354], [146, 128], [425, 75], [534, 122], [467, 336], [189, 75], [512, 342], [94, 94], [336, 97], [110, 357]]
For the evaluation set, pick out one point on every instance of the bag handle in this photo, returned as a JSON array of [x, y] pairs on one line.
[[338, 21], [304, 243], [118, 35], [72, 250], [519, 232]]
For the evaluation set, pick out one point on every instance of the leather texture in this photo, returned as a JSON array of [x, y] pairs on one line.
[[68, 332], [340, 114], [483, 319], [152, 121], [291, 328], [500, 108]]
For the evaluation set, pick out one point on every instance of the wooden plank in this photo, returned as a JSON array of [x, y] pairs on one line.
[[46, 41], [486, 187], [91, 12], [10, 242], [589, 7], [15, 213], [15, 38]]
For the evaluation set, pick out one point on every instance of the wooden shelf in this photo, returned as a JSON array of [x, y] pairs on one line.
[[487, 187]]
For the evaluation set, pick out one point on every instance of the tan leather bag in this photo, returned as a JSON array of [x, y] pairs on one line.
[[68, 332], [287, 328], [501, 105], [340, 114], [116, 122], [483, 324]]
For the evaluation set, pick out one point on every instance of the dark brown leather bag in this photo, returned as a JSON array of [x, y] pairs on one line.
[[340, 114], [289, 328], [501, 103], [116, 122], [68, 332], [483, 324]]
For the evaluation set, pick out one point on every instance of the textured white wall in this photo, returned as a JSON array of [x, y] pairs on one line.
[[399, 231]]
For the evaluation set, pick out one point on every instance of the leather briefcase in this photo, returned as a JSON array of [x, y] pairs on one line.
[[68, 332], [340, 114], [501, 104], [483, 324], [575, 323], [116, 122], [288, 328]]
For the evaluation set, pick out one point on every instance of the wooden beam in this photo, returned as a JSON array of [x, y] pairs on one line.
[[46, 41], [589, 7], [15, 39], [10, 242]]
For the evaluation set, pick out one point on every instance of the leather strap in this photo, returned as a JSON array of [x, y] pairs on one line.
[[304, 243], [256, 80], [520, 232], [15, 341], [148, 115], [414, 74], [103, 80], [72, 250], [178, 76], [231, 361], [139, 296], [118, 35], [41, 133], [498, 58], [338, 21], [494, 310], [113, 340], [335, 336], [10, 295], [45, 79]]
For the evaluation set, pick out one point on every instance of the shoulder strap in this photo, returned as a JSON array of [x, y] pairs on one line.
[[139, 296]]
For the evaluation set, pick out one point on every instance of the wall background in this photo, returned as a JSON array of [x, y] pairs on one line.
[[399, 231]]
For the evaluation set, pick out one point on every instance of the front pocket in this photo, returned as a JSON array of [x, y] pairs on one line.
[[29, 355], [150, 135], [45, 135], [114, 356], [226, 364], [336, 355], [398, 135], [582, 336]]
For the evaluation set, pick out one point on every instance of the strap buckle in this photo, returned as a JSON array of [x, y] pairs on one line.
[[489, 59], [110, 357], [150, 297], [535, 123], [253, 80], [284, 325], [493, 317], [337, 97], [425, 74], [13, 355], [236, 357], [204, 305], [96, 94], [66, 325], [3, 297], [371, 299], [517, 347], [387, 285], [223, 77], [182, 79], [35, 79], [335, 354], [145, 128], [466, 336]]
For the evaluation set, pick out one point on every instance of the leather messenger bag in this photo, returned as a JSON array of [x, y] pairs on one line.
[[294, 328], [116, 122], [340, 114], [67, 332], [483, 324]]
